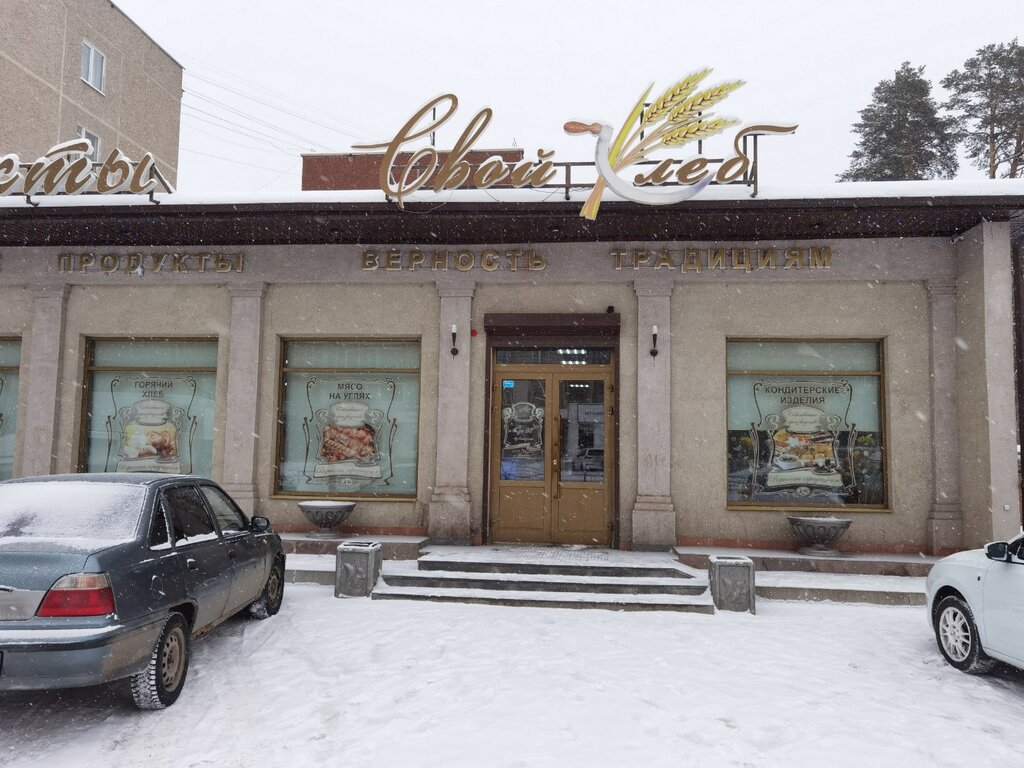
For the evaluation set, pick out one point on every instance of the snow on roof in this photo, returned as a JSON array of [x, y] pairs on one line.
[[907, 190]]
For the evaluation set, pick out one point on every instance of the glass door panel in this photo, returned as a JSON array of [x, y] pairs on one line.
[[523, 403], [581, 431]]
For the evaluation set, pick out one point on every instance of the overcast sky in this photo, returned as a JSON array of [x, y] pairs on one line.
[[343, 72]]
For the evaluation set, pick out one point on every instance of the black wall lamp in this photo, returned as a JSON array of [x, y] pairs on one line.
[[654, 341], [455, 349]]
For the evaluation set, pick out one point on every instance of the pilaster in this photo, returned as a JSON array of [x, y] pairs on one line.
[[241, 417], [42, 368], [945, 522], [654, 518], [448, 512]]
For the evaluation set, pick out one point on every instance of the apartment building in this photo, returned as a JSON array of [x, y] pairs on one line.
[[74, 68]]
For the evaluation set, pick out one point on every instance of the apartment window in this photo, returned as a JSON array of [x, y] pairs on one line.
[[92, 138], [10, 357], [806, 424], [349, 419], [93, 64], [150, 406]]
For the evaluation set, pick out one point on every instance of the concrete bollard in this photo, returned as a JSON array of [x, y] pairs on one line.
[[356, 568], [732, 582]]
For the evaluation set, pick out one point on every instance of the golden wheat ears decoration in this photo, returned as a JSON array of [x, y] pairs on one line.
[[677, 117]]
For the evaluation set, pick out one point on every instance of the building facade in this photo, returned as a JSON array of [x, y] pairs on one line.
[[83, 69], [507, 371]]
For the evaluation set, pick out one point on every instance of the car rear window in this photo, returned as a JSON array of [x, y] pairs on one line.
[[70, 510]]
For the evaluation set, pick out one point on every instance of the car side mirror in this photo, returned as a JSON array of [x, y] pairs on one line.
[[260, 524], [998, 550]]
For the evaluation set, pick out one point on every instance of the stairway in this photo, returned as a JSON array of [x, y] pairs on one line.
[[552, 577], [880, 579]]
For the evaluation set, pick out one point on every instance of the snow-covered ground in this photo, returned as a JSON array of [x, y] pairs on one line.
[[387, 684]]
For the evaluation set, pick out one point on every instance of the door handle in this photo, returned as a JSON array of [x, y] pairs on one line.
[[556, 473], [231, 554], [192, 564]]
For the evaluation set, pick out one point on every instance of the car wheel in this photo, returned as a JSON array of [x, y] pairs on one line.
[[159, 685], [269, 601], [957, 636]]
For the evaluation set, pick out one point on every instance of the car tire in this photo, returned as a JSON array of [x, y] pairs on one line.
[[160, 683], [269, 601], [957, 636]]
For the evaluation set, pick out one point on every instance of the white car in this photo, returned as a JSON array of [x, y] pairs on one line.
[[976, 604]]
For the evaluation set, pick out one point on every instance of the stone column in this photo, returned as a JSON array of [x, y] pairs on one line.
[[945, 523], [448, 513], [987, 408], [241, 414], [654, 517], [41, 384]]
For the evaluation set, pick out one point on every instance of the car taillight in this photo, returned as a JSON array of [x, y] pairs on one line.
[[79, 594]]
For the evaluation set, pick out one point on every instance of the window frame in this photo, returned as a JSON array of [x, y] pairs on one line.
[[94, 139], [159, 517], [203, 488], [90, 367], [879, 375], [170, 514], [17, 370], [276, 492], [88, 73]]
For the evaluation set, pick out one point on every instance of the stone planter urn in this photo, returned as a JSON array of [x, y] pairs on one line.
[[818, 533], [326, 516]]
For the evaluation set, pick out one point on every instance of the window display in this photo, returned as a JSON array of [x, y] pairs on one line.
[[350, 418], [10, 357], [150, 406], [805, 424]]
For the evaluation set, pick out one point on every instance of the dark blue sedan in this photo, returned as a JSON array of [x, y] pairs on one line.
[[110, 576]]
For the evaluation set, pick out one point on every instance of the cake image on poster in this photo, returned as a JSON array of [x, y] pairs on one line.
[[803, 439]]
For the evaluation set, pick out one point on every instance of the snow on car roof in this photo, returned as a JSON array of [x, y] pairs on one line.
[[124, 478]]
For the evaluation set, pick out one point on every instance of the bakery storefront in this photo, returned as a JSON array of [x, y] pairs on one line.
[[482, 347], [507, 371]]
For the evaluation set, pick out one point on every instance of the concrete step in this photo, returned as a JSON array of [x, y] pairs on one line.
[[575, 600], [840, 587], [430, 563], [643, 584], [856, 564], [309, 569], [392, 547]]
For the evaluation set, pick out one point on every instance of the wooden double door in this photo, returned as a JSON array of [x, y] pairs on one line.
[[552, 454]]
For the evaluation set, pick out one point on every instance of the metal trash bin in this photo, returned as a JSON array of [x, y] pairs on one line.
[[732, 582], [356, 568]]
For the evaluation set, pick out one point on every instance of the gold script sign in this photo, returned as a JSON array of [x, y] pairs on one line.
[[67, 169], [455, 171], [677, 117]]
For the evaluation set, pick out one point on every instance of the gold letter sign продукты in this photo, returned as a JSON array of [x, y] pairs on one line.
[[677, 117]]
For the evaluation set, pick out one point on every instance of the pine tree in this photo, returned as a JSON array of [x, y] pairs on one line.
[[901, 133], [987, 98]]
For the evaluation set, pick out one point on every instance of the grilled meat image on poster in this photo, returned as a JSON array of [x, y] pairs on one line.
[[349, 432], [153, 427]]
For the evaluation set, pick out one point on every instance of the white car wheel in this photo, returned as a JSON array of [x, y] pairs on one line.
[[957, 636], [954, 634]]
